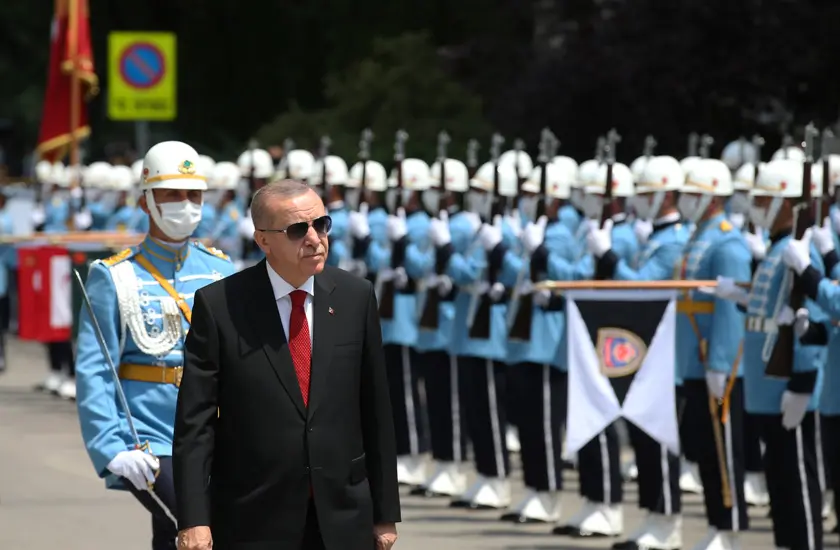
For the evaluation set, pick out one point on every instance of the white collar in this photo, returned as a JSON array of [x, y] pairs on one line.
[[282, 288], [667, 218]]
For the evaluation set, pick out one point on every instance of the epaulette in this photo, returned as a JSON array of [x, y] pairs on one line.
[[725, 226], [118, 257], [212, 251], [234, 214]]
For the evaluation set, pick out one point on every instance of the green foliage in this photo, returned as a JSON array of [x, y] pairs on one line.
[[400, 85]]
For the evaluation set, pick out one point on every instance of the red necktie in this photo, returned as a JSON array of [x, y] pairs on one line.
[[299, 345]]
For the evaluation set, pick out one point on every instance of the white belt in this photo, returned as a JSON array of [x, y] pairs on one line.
[[761, 324]]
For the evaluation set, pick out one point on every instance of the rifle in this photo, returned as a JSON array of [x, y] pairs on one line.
[[473, 146], [706, 142], [364, 155], [520, 313], [386, 288], [781, 360], [249, 245], [599, 149], [430, 312], [693, 141], [650, 146], [323, 152], [787, 141], [758, 143], [824, 202], [610, 207], [481, 305]]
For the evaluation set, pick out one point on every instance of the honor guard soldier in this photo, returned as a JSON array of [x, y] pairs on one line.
[[709, 339], [570, 216], [256, 167], [367, 233], [482, 356], [225, 234], [784, 409], [127, 215], [141, 299], [536, 326], [658, 468], [332, 173], [400, 268], [206, 165], [99, 180], [445, 383]]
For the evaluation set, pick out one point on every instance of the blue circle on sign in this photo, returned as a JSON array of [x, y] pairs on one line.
[[142, 65]]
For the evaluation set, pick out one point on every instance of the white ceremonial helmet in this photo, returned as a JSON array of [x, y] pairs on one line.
[[622, 186], [789, 153], [205, 166], [415, 177], [337, 172], [43, 171], [137, 171], [661, 175], [708, 178], [60, 175], [737, 153], [257, 160], [780, 179], [99, 175], [585, 171], [567, 164], [375, 177], [480, 197], [298, 164], [226, 176], [816, 181], [457, 176], [483, 177], [745, 176], [173, 165], [122, 178], [520, 161], [558, 185], [688, 163], [834, 170]]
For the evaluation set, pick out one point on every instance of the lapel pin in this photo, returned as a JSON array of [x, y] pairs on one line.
[[332, 311]]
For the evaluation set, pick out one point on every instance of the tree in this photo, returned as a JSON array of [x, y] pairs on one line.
[[401, 85]]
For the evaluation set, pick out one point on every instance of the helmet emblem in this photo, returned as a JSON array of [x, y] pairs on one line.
[[187, 167]]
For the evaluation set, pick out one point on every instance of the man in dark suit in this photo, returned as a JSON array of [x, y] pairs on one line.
[[283, 433]]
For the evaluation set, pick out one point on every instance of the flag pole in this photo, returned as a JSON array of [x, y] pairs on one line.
[[75, 101]]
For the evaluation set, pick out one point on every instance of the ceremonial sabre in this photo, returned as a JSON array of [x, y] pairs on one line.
[[119, 389]]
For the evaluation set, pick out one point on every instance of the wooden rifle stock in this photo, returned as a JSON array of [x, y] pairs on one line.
[[430, 316], [781, 360], [386, 299]]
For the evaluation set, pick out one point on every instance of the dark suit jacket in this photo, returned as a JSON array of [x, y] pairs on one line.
[[247, 473]]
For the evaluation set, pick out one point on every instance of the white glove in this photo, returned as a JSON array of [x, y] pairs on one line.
[[534, 234], [542, 297], [400, 278], [824, 237], [643, 229], [797, 253], [444, 285], [794, 407], [491, 235], [496, 291], [246, 226], [439, 230], [737, 220], [716, 382], [525, 287], [799, 320], [474, 221], [38, 215], [136, 466], [77, 193], [358, 222], [514, 221], [757, 244], [82, 220], [726, 289], [599, 241], [397, 226]]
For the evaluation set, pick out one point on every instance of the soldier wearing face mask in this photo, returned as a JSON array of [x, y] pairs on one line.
[[223, 184], [142, 299], [332, 172]]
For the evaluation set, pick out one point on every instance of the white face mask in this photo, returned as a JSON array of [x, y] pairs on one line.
[[692, 207], [593, 206], [177, 220], [641, 205], [576, 198], [351, 198], [431, 200], [479, 203], [739, 203], [528, 207]]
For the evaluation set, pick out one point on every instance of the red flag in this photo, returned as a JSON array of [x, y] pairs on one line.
[[70, 81]]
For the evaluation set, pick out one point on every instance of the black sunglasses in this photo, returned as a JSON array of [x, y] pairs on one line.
[[297, 231]]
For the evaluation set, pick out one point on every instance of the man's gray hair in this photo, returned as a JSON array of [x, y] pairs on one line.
[[261, 214]]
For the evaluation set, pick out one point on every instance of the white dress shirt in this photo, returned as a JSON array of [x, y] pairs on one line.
[[282, 291]]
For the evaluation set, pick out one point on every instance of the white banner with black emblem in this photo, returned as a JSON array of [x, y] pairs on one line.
[[622, 360]]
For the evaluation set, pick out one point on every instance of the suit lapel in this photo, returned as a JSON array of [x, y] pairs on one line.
[[267, 323], [325, 324]]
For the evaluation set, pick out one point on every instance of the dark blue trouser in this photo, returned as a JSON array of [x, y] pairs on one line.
[[164, 531]]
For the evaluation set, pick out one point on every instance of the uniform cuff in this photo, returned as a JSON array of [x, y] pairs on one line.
[[360, 247], [829, 261], [442, 255], [606, 265], [810, 281], [816, 335], [539, 260], [803, 382], [497, 255]]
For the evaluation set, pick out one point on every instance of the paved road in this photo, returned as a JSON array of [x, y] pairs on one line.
[[51, 499]]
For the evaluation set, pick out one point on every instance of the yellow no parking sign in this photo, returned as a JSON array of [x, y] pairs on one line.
[[142, 76]]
